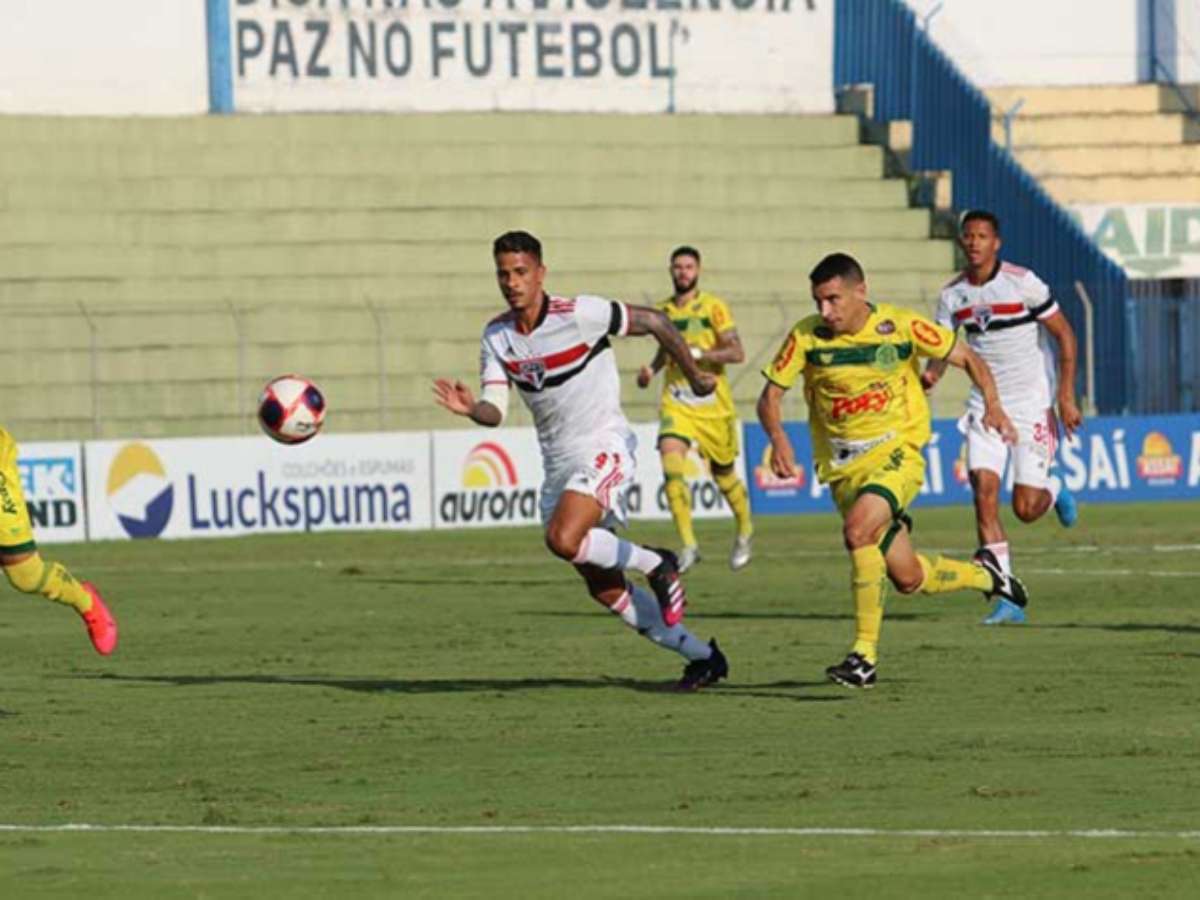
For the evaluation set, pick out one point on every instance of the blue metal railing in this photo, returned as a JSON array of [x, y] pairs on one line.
[[879, 42]]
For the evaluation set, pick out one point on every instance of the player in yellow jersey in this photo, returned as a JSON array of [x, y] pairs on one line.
[[869, 420], [28, 572], [709, 422]]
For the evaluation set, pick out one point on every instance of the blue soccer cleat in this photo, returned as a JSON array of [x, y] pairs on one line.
[[1005, 612], [1065, 508]]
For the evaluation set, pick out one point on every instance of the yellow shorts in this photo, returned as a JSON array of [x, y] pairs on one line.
[[717, 438], [895, 474], [16, 531]]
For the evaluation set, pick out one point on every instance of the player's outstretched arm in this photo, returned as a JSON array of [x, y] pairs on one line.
[[994, 416], [644, 320], [934, 370], [457, 397], [770, 415], [646, 373], [1062, 332]]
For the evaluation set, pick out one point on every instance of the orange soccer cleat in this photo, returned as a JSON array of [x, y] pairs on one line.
[[101, 626]]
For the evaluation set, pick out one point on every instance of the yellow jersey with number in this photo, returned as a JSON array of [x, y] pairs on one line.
[[699, 321], [863, 390]]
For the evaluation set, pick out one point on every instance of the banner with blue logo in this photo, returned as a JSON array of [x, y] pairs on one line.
[[52, 482], [1112, 459], [220, 487]]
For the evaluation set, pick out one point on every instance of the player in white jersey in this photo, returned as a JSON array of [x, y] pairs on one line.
[[555, 351], [1008, 315]]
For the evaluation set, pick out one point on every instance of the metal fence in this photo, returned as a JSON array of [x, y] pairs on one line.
[[1164, 323], [882, 43]]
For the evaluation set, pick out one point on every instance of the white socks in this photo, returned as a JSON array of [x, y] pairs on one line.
[[1001, 552], [604, 549], [639, 610], [1053, 487]]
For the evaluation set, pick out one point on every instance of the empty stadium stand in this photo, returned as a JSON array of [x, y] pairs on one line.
[[1106, 144], [155, 272]]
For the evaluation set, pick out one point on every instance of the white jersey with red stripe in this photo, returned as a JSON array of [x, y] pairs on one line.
[[566, 373], [1000, 318]]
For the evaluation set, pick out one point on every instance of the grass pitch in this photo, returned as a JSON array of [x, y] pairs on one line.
[[465, 680]]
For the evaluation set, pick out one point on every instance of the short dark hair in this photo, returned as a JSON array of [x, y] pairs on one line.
[[979, 215], [517, 242], [837, 265], [685, 250]]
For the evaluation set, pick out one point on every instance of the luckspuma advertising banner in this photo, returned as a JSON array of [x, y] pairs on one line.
[[219, 487], [547, 55]]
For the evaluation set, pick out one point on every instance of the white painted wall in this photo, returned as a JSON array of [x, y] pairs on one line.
[[103, 57], [1038, 42]]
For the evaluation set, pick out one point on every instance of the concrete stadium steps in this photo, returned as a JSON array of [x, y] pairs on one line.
[[471, 223], [181, 263], [1173, 160], [359, 160], [1124, 188], [396, 258], [1098, 130], [414, 191], [1104, 99], [291, 134], [466, 291], [1104, 143]]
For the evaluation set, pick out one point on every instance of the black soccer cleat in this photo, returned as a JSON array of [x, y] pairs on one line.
[[1010, 587], [668, 588], [701, 673], [853, 671]]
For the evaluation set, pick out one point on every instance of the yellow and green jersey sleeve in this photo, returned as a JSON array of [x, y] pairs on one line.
[[700, 322], [863, 390]]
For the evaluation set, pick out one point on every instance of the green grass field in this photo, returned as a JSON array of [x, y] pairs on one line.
[[465, 679]]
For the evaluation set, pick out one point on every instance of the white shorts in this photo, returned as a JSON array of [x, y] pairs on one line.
[[1031, 457], [605, 472]]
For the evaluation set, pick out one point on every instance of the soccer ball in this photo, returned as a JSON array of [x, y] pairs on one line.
[[291, 409]]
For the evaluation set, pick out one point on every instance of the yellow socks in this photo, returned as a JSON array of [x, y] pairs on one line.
[[944, 575], [53, 581], [867, 575], [738, 499], [679, 497]]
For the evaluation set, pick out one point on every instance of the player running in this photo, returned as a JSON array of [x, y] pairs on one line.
[[869, 420], [29, 573], [1001, 306], [556, 352], [708, 421]]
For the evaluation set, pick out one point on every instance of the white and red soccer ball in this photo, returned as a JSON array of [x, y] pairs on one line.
[[291, 409]]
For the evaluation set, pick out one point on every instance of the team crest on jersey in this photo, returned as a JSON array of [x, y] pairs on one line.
[[982, 316], [886, 357], [532, 371], [887, 326]]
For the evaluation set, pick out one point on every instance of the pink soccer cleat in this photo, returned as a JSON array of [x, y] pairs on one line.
[[101, 626]]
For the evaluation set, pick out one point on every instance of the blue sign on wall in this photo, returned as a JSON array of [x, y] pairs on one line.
[[1113, 459]]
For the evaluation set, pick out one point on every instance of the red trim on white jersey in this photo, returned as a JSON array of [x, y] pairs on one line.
[[552, 361], [997, 309]]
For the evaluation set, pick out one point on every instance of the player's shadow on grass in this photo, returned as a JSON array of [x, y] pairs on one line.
[[463, 582], [806, 617], [468, 685], [1130, 627]]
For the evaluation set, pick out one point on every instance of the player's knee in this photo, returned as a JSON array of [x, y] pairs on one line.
[[906, 582], [1027, 510], [857, 534], [562, 543]]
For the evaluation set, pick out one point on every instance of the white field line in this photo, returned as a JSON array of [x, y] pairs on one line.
[[385, 830], [525, 560], [1104, 573]]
